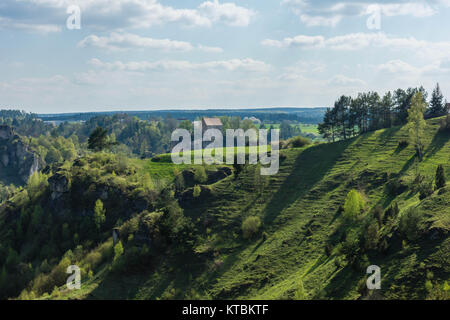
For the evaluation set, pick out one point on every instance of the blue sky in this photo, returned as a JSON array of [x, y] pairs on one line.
[[154, 54]]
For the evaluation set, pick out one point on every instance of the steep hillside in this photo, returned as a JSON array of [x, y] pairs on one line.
[[305, 248]]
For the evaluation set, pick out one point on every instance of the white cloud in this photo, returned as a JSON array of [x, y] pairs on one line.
[[228, 13], [358, 41], [124, 41], [330, 13], [402, 68], [318, 21], [297, 41], [50, 15], [397, 66], [301, 68], [182, 65], [209, 49], [42, 28], [341, 80], [121, 41]]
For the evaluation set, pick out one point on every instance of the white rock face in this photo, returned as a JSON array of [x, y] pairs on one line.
[[16, 157]]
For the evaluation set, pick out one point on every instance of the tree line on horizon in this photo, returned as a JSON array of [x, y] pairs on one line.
[[369, 111]]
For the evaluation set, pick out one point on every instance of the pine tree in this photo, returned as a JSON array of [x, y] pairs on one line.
[[437, 107], [440, 177]]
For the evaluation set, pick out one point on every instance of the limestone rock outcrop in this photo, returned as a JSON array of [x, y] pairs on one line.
[[17, 160]]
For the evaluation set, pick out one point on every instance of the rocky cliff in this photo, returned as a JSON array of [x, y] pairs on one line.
[[17, 160]]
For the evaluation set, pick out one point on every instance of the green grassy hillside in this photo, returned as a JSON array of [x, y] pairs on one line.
[[305, 247]]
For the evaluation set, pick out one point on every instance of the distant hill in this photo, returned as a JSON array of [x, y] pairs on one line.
[[304, 115]]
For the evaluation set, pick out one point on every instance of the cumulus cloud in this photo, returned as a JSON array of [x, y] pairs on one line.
[[124, 41], [50, 15], [341, 80], [121, 41], [297, 41], [358, 41], [329, 13], [402, 68], [397, 66], [182, 65], [43, 28]]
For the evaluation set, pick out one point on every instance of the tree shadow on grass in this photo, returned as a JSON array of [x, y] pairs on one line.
[[408, 164], [388, 133], [310, 167], [342, 283], [438, 142], [115, 287]]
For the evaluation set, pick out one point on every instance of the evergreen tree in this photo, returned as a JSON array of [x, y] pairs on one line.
[[437, 107], [98, 140], [326, 128], [386, 106]]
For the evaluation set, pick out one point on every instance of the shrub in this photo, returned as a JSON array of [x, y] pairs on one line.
[[372, 236], [197, 191], [200, 175], [354, 204], [440, 177], [425, 190], [392, 212], [403, 144], [396, 187], [298, 142], [99, 213], [379, 215], [410, 224], [250, 227]]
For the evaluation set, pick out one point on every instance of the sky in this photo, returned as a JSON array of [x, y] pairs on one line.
[[61, 56]]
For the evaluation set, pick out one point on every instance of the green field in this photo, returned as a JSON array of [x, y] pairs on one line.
[[304, 127]]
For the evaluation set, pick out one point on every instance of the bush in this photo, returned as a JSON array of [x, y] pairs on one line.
[[396, 187], [440, 177], [200, 175], [197, 191], [250, 227], [298, 142], [354, 204], [425, 190], [410, 224], [372, 236], [392, 212], [99, 214], [379, 215], [403, 144]]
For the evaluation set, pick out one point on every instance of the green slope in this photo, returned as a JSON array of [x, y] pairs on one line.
[[303, 229]]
